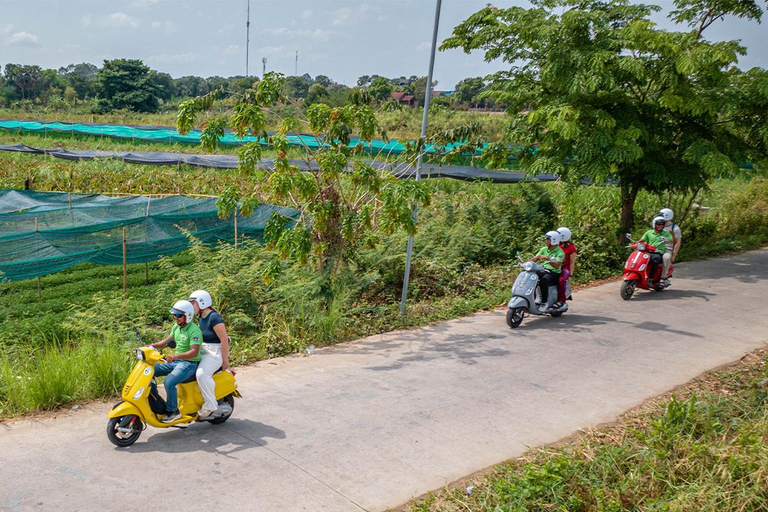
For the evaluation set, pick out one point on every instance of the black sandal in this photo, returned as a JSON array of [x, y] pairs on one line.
[[558, 305]]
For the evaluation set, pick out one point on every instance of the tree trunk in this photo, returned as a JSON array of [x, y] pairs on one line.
[[627, 220]]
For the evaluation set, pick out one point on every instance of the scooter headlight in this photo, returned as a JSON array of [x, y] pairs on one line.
[[138, 393], [642, 267], [529, 291], [139, 354]]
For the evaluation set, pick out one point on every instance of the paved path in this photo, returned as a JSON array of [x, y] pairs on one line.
[[368, 425]]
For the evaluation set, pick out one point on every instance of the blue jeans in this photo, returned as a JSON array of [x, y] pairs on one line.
[[177, 371]]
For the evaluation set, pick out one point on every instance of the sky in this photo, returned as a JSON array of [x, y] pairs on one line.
[[342, 39]]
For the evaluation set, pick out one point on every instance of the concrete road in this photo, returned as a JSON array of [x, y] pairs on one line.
[[368, 425]]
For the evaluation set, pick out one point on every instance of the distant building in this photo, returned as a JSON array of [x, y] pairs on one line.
[[404, 98]]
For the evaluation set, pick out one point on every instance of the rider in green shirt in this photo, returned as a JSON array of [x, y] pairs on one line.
[[658, 238], [551, 257]]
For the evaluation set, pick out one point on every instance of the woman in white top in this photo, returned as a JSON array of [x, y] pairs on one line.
[[214, 350]]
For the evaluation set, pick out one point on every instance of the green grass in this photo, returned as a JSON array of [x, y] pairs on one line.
[[704, 449]]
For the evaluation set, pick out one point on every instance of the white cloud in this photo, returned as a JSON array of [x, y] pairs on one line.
[[143, 4], [167, 58], [361, 14], [317, 35], [423, 46], [231, 50], [114, 20], [306, 14], [23, 39], [277, 51], [169, 26]]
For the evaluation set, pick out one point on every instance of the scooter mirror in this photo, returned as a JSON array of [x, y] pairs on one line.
[[629, 236]]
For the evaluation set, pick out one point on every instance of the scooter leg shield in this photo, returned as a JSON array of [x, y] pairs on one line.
[[514, 302]]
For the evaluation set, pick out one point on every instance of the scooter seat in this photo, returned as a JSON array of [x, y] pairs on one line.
[[193, 377]]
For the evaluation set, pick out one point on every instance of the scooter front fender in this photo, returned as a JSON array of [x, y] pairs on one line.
[[517, 302], [631, 276], [124, 409]]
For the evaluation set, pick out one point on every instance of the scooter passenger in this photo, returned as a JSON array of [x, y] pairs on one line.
[[658, 238], [182, 364], [673, 245], [568, 265], [215, 348], [551, 257]]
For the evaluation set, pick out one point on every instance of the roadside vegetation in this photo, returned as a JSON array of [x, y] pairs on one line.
[[701, 448], [463, 262]]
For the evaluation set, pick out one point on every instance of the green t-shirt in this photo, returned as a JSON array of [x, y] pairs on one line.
[[556, 253], [186, 336], [657, 239]]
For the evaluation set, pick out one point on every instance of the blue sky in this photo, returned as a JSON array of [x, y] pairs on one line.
[[342, 39]]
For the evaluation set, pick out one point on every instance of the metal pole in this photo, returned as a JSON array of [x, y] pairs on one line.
[[125, 267], [247, 36], [296, 68], [409, 249], [235, 228], [39, 294]]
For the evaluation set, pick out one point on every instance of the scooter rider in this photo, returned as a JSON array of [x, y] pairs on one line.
[[550, 257], [569, 250], [182, 364], [215, 348], [658, 238], [673, 246]]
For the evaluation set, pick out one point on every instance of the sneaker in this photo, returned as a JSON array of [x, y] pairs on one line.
[[204, 413], [171, 417], [667, 282]]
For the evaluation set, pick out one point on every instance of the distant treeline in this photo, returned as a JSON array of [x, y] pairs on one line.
[[131, 85]]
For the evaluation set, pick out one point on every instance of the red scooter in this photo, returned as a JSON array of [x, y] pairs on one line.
[[636, 271]]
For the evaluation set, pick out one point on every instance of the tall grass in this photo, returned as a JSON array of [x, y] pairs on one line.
[[60, 373]]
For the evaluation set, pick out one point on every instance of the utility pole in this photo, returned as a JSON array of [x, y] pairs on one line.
[[247, 36], [263, 66], [296, 68], [409, 250]]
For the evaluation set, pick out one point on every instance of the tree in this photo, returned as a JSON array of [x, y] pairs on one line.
[[81, 77], [380, 88], [597, 90], [317, 93], [166, 89], [468, 91], [324, 81], [191, 86], [418, 88], [297, 86], [28, 80], [127, 84], [363, 81], [346, 203]]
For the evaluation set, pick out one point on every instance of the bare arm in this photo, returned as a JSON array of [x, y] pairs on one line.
[[160, 345], [221, 333], [189, 354], [573, 263]]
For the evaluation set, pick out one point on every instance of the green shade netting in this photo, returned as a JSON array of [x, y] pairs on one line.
[[40, 233], [170, 135]]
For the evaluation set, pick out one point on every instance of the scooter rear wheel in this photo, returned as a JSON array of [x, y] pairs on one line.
[[229, 400], [514, 317], [120, 438], [627, 289]]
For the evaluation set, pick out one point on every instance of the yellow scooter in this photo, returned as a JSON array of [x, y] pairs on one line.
[[129, 417]]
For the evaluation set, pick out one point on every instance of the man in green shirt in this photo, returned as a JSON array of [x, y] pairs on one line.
[[551, 257], [182, 364], [658, 238]]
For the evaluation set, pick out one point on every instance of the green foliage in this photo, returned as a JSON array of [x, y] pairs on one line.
[[601, 92], [704, 452], [126, 84]]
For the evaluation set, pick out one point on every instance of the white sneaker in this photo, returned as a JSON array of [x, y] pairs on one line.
[[204, 413], [171, 417], [667, 282]]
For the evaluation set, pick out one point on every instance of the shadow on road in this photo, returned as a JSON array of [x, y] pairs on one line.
[[234, 436], [750, 268], [671, 294]]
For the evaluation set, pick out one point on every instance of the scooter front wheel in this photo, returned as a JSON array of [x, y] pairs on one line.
[[514, 317], [124, 430], [627, 289]]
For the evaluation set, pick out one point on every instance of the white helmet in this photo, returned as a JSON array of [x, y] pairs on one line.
[[202, 297], [554, 237], [565, 234], [657, 220], [183, 307], [666, 213]]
